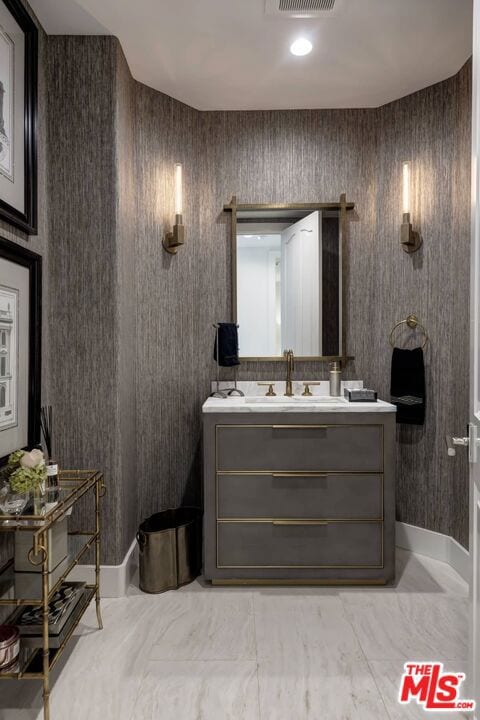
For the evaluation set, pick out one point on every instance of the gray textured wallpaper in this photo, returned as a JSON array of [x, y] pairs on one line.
[[433, 129], [85, 244], [175, 301]]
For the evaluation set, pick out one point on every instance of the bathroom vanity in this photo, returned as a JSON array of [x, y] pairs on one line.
[[298, 490], [298, 486]]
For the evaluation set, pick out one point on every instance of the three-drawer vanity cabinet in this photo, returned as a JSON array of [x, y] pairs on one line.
[[299, 497]]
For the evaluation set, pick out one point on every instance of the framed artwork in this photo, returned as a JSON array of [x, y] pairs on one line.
[[20, 347], [18, 116]]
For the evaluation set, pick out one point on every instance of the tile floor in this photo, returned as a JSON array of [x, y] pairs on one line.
[[257, 654]]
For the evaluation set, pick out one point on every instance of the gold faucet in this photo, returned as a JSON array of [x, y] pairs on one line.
[[288, 355]]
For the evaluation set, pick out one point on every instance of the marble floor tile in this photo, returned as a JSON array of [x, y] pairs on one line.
[[335, 687], [387, 676], [310, 663], [293, 599], [409, 625], [110, 695], [197, 690], [418, 573], [287, 628], [90, 695], [206, 626], [126, 637]]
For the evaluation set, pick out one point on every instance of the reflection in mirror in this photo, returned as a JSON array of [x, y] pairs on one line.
[[288, 282]]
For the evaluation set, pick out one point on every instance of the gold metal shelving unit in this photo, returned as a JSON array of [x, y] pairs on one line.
[[36, 663]]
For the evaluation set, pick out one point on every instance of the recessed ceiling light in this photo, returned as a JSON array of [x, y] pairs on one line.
[[302, 46]]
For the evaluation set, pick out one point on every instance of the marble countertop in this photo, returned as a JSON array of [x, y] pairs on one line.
[[256, 402], [241, 404]]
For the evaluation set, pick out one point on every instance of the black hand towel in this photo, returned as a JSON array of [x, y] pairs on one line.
[[407, 386], [227, 345]]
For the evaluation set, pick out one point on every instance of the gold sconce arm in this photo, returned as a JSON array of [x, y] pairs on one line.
[[174, 239], [409, 238]]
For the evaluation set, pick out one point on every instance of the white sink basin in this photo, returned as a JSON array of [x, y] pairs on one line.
[[283, 399]]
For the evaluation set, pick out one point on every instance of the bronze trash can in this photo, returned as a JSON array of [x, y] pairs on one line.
[[170, 549]]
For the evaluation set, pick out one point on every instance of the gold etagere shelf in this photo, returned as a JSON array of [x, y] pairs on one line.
[[36, 663]]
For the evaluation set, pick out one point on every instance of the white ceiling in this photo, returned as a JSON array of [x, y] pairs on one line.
[[230, 55]]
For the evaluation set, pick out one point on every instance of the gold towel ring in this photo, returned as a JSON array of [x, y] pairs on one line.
[[412, 322]]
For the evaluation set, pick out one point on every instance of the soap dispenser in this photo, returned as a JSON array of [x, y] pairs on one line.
[[335, 378]]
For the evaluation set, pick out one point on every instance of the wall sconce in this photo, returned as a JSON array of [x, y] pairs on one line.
[[408, 237], [174, 239]]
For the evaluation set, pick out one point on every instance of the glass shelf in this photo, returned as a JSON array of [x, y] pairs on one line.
[[30, 661], [26, 657], [25, 588], [73, 484]]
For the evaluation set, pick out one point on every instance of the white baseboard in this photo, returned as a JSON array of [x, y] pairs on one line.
[[114, 579], [434, 545]]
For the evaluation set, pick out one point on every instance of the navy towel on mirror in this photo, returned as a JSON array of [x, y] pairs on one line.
[[227, 345], [407, 386]]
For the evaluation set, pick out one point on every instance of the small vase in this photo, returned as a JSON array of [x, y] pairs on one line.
[[39, 500]]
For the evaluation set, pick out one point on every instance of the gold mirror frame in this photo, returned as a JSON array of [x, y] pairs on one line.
[[344, 207]]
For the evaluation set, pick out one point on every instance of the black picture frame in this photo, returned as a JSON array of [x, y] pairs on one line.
[[33, 262], [27, 220]]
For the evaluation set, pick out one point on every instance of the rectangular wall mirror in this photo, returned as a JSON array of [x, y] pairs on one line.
[[287, 279]]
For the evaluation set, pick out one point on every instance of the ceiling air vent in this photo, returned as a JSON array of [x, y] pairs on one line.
[[305, 5], [299, 8]]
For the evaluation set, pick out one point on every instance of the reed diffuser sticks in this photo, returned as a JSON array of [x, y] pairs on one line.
[[46, 423]]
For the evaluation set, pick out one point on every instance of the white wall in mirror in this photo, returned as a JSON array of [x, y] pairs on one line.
[[259, 294]]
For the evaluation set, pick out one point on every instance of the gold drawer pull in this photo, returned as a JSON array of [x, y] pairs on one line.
[[299, 427], [299, 475], [299, 522]]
